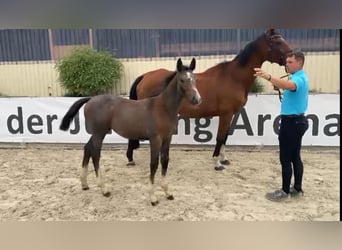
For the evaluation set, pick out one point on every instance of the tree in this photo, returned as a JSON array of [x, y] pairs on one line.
[[257, 86], [87, 72]]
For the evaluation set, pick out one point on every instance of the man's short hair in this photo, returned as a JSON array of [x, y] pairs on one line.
[[298, 54]]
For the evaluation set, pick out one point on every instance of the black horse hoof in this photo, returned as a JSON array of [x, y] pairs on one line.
[[225, 162], [154, 203], [170, 197], [131, 163], [219, 168], [85, 188]]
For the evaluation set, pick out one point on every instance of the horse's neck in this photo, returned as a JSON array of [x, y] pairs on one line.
[[172, 97], [250, 60], [243, 67]]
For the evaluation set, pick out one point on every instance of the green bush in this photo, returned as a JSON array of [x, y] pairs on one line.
[[257, 86], [87, 72]]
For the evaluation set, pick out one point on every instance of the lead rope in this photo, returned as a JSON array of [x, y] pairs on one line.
[[277, 89]]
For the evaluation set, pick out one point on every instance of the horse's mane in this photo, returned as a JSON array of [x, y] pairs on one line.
[[242, 58], [244, 55]]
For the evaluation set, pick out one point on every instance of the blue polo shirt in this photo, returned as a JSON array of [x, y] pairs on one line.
[[296, 102]]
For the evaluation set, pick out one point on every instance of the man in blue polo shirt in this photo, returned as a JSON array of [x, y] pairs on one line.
[[293, 124]]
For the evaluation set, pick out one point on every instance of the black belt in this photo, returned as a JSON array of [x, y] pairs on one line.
[[292, 116]]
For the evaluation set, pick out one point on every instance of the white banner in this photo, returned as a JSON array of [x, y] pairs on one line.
[[37, 120]]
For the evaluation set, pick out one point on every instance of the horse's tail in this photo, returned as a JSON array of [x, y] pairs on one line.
[[133, 91], [134, 144], [72, 112]]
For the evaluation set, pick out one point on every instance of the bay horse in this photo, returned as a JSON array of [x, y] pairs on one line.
[[152, 119], [224, 88]]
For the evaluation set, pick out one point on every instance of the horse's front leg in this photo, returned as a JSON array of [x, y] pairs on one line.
[[164, 159], [155, 145], [219, 155]]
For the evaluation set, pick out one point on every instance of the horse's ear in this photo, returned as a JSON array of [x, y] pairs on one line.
[[179, 64], [193, 64]]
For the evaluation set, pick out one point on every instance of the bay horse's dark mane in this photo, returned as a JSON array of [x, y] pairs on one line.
[[244, 55], [169, 79], [242, 58], [166, 82]]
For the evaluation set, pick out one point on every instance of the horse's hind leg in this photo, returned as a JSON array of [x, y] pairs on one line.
[[164, 159], [95, 155], [85, 162]]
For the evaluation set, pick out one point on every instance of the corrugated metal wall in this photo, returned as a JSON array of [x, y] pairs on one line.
[[27, 57]]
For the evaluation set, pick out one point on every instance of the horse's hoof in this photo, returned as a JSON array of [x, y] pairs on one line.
[[219, 168], [225, 162], [170, 197], [106, 194], [85, 188], [131, 163], [154, 203]]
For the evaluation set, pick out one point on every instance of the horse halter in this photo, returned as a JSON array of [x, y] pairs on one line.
[[272, 46], [271, 38]]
